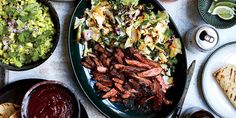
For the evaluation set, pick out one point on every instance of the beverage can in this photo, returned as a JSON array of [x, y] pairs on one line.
[[195, 112], [202, 38]]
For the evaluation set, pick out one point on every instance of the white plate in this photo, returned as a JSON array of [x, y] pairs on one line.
[[212, 92]]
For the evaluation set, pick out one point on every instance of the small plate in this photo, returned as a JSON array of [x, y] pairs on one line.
[[212, 91], [214, 20], [14, 92]]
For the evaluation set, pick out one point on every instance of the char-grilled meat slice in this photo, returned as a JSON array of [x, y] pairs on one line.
[[115, 73], [117, 80], [112, 93], [158, 96], [142, 59], [100, 49], [131, 50], [134, 84], [126, 95], [150, 73], [97, 61], [102, 69], [142, 80], [119, 87], [128, 69], [105, 60], [108, 84], [86, 65], [101, 87], [119, 55], [102, 78], [115, 99], [146, 61], [88, 62], [127, 86], [157, 103], [162, 83], [137, 63]]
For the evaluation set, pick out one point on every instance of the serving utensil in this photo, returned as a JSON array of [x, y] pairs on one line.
[[190, 71]]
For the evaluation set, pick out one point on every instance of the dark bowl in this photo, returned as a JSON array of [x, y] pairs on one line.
[[15, 91], [42, 88], [214, 20], [55, 20]]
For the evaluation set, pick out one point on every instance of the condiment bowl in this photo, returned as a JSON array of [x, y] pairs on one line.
[[51, 99]]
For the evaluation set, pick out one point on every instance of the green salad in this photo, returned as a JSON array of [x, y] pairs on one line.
[[26, 32], [126, 23]]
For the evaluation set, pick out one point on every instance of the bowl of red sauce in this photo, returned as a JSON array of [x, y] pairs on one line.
[[50, 99]]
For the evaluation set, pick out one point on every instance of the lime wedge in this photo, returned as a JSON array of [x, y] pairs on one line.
[[212, 7], [222, 0], [224, 12], [227, 4]]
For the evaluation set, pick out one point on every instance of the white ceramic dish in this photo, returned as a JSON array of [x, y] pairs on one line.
[[212, 92]]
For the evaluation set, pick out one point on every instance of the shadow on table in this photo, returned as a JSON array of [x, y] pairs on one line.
[[199, 82], [193, 14]]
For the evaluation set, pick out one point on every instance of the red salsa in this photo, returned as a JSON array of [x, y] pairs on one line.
[[51, 101]]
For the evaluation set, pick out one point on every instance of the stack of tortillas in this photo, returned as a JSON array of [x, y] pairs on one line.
[[9, 110], [226, 78]]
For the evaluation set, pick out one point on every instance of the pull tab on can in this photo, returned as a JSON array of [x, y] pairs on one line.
[[202, 38]]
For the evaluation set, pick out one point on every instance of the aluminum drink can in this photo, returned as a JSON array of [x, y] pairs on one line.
[[195, 112], [202, 38]]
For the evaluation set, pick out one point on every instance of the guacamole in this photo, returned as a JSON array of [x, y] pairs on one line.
[[26, 32]]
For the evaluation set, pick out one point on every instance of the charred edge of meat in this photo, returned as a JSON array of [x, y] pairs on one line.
[[119, 87], [101, 87], [137, 63], [87, 62], [106, 61], [103, 79], [119, 55], [141, 58], [145, 81], [100, 49], [146, 61], [128, 69], [134, 84], [126, 95], [102, 69], [117, 80], [97, 61], [115, 73], [112, 93], [150, 73]]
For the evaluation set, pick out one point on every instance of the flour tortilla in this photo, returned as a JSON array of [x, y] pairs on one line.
[[226, 78], [16, 114], [8, 109]]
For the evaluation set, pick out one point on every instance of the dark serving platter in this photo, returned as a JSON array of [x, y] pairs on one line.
[[116, 110], [56, 22]]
